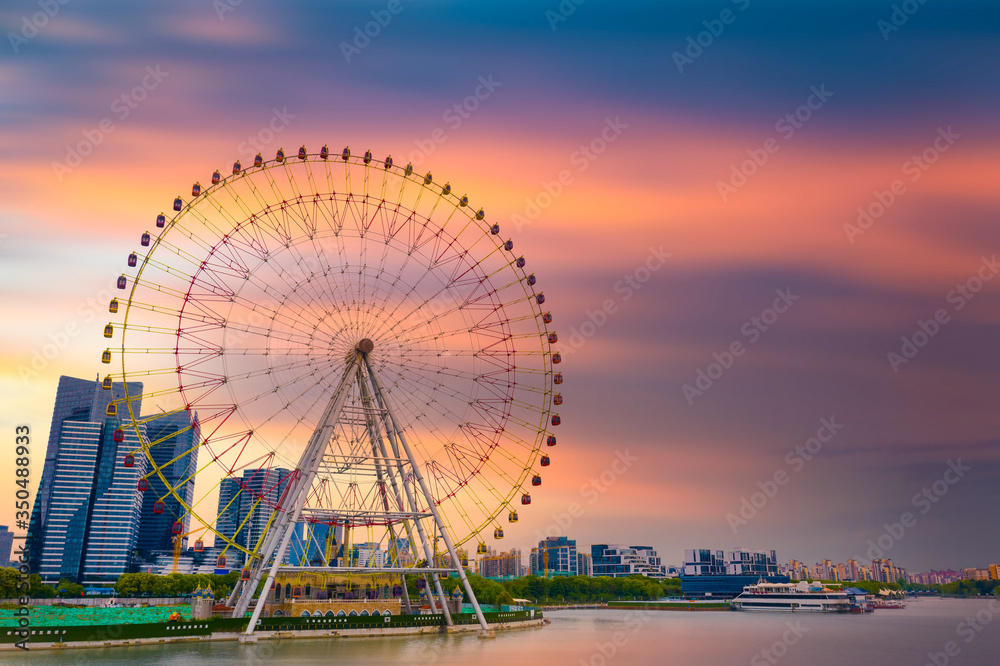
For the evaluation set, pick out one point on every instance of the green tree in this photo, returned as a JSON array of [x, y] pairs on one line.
[[67, 589], [37, 589], [8, 582]]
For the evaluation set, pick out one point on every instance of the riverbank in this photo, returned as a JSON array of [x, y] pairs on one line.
[[272, 628], [671, 605]]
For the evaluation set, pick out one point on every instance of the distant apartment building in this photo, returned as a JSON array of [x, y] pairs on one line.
[[85, 519], [619, 560], [976, 574], [368, 555], [6, 545], [443, 558], [585, 564], [884, 571], [173, 439], [245, 506], [852, 570], [500, 566]]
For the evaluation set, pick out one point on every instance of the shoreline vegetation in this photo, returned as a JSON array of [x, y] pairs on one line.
[[540, 591]]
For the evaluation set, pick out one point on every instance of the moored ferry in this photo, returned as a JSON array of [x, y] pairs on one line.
[[792, 597]]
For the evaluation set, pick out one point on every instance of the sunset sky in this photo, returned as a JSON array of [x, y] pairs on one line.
[[714, 156]]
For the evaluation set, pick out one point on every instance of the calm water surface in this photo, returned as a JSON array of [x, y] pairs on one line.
[[627, 638]]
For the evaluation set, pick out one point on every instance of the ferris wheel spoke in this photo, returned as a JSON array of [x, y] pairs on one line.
[[244, 307]]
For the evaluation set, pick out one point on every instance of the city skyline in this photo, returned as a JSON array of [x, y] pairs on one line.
[[770, 263]]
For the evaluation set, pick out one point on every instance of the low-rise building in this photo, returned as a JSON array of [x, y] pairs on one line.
[[619, 560]]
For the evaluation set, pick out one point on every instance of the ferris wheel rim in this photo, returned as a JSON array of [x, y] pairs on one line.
[[408, 175]]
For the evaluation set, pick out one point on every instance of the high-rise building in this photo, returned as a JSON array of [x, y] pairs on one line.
[[85, 520], [77, 400], [556, 556], [584, 564], [113, 529], [619, 560], [173, 437], [322, 543], [6, 544], [245, 507], [500, 565]]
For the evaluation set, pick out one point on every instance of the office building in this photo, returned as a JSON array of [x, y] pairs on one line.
[[555, 556], [6, 545], [85, 519], [745, 562], [172, 437], [619, 560], [707, 574], [245, 507], [704, 562]]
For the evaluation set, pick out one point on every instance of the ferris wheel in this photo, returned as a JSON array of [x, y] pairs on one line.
[[352, 344]]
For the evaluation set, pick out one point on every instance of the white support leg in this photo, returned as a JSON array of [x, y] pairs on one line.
[[428, 497], [309, 463]]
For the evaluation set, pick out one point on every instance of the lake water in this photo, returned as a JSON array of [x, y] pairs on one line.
[[629, 638]]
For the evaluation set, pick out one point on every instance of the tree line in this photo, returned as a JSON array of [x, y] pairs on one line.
[[568, 589]]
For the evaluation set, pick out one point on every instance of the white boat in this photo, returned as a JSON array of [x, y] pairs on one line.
[[802, 597]]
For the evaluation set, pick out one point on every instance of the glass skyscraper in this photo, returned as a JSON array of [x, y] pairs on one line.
[[245, 507], [84, 522], [113, 528], [171, 437]]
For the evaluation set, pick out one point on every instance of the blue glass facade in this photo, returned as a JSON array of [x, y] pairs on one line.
[[77, 400], [113, 529], [245, 507], [324, 544], [722, 587], [84, 521], [6, 544], [707, 573], [562, 557], [172, 436]]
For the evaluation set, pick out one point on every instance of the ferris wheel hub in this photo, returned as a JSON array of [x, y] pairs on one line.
[[365, 346]]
